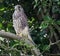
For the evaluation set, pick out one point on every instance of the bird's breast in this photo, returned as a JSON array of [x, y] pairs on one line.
[[17, 15]]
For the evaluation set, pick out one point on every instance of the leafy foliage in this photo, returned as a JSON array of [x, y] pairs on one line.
[[43, 19]]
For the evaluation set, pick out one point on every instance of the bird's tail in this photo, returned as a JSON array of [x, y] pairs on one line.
[[30, 39]]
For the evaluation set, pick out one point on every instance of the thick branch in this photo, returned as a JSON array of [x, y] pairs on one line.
[[9, 35]]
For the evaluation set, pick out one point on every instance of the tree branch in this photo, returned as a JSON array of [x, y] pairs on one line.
[[55, 42], [9, 35]]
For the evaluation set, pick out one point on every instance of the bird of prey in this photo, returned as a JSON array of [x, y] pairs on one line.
[[20, 23]]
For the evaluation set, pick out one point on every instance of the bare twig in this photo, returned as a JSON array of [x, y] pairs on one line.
[[55, 42], [51, 44]]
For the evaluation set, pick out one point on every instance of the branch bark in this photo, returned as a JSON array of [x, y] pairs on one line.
[[9, 35]]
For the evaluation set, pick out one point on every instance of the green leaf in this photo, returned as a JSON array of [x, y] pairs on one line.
[[0, 25], [44, 25], [46, 47], [47, 18], [36, 5], [2, 9], [58, 22], [36, 1], [59, 3]]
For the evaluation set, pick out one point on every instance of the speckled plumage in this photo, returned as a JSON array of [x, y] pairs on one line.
[[19, 19], [20, 22]]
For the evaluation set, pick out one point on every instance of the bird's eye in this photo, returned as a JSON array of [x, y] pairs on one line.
[[18, 6]]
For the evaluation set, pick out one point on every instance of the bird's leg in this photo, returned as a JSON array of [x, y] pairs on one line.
[[20, 34]]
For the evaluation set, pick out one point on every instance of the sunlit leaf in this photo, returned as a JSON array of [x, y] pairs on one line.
[[2, 9], [1, 25], [44, 25], [36, 1]]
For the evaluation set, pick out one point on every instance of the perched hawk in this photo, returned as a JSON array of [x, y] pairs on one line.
[[20, 23]]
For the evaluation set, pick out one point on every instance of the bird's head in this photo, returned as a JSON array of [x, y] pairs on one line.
[[18, 7]]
